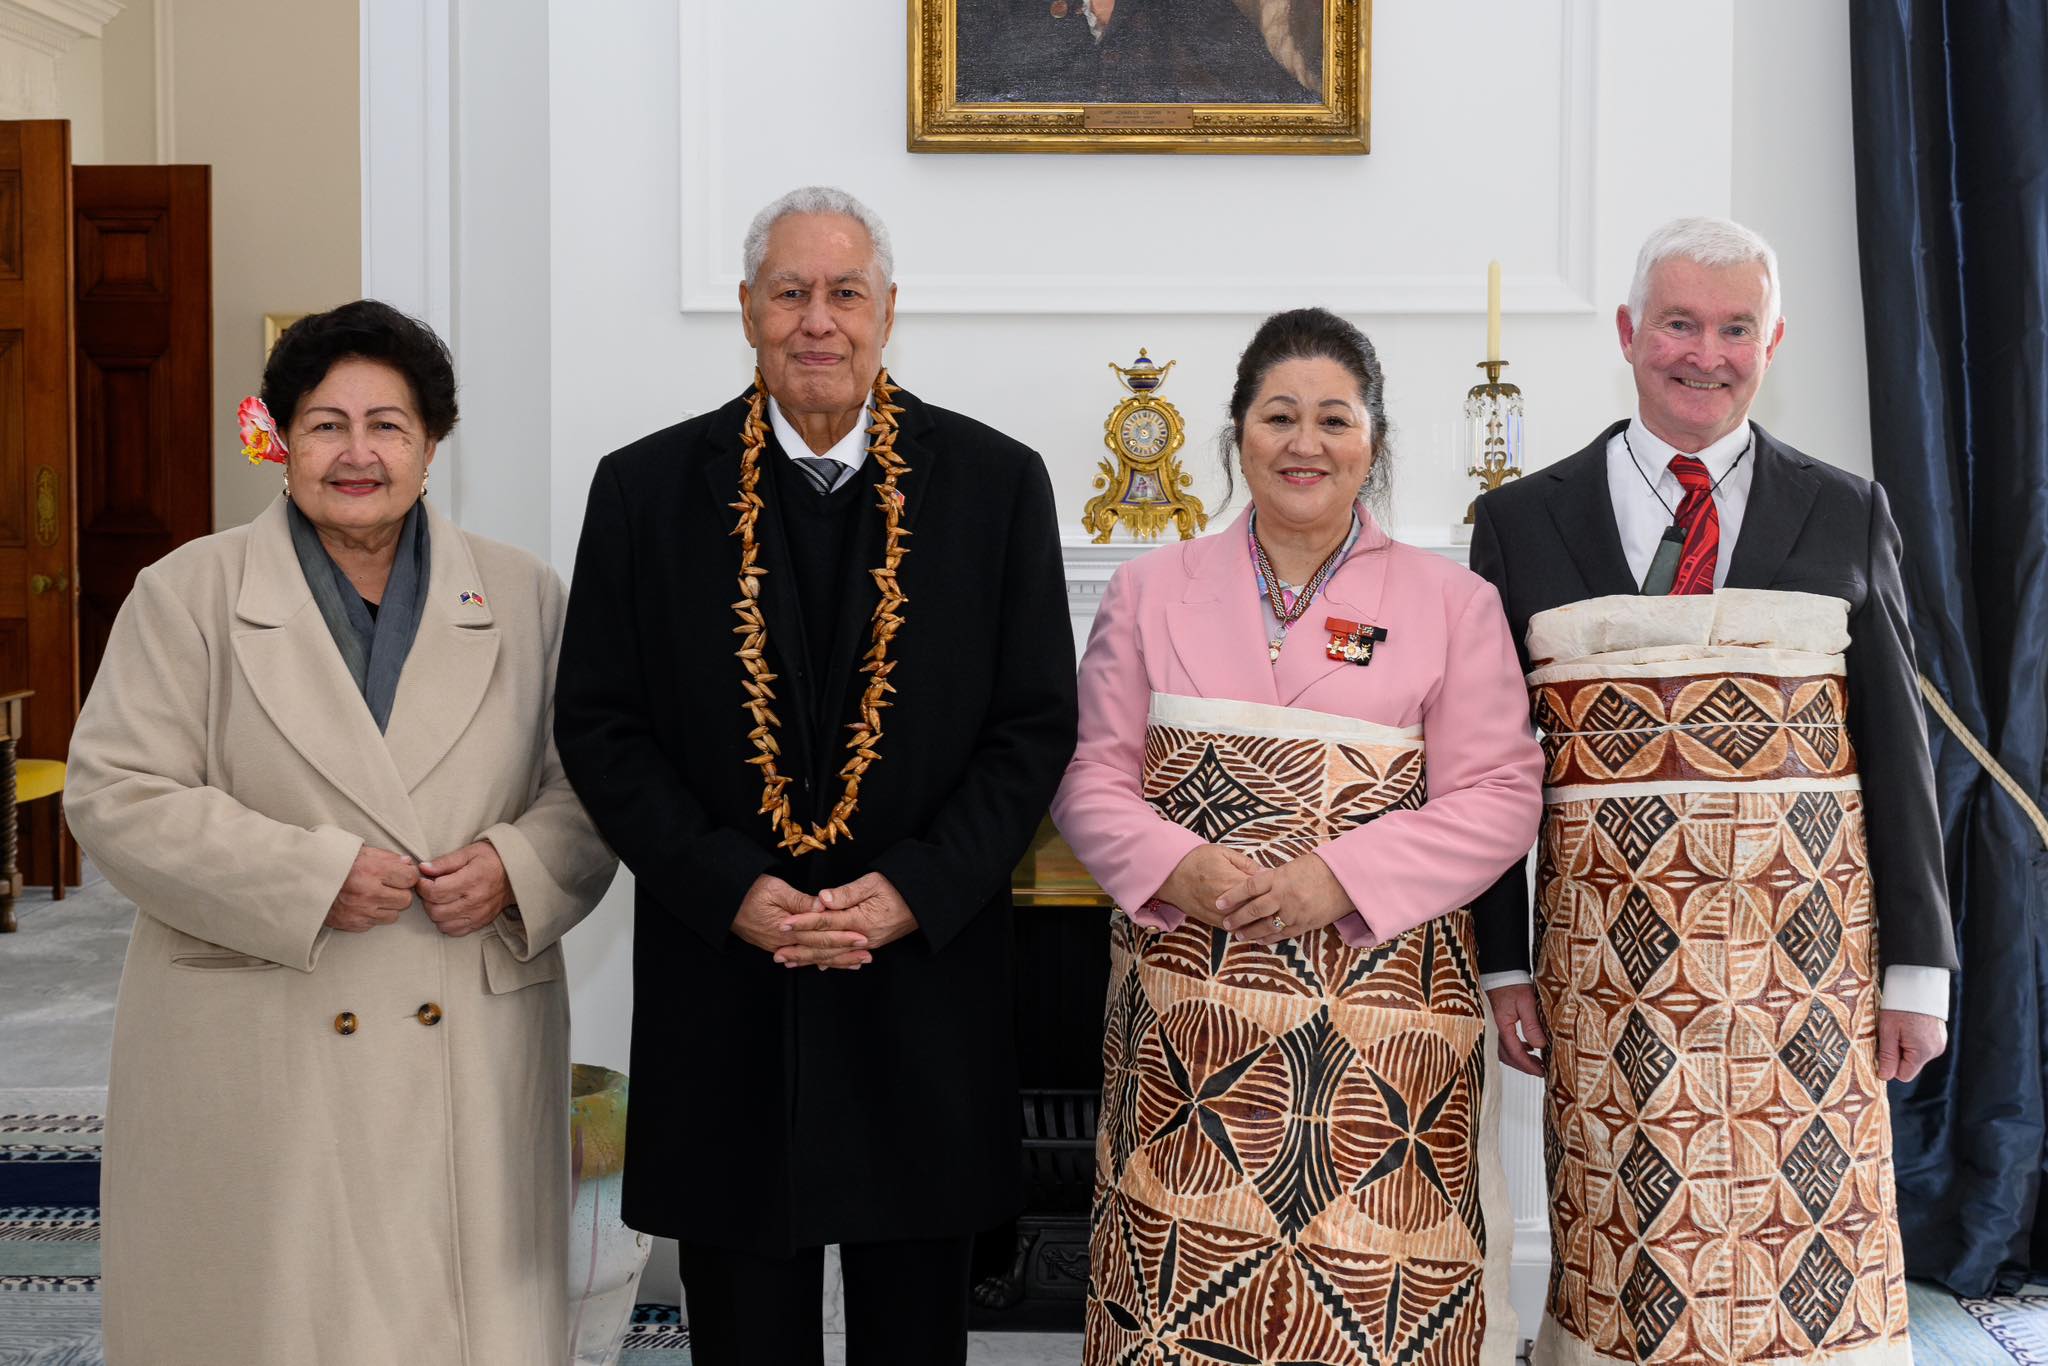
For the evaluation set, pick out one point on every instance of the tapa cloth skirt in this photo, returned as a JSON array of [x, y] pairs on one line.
[[1297, 1159], [1716, 1137]]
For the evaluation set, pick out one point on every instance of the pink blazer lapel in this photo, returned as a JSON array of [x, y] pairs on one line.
[[1217, 629], [1353, 594]]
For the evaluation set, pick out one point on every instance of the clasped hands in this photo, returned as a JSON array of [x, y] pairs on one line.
[[840, 927], [462, 892], [1224, 889]]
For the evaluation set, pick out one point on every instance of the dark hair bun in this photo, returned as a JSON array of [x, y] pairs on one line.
[[1311, 334]]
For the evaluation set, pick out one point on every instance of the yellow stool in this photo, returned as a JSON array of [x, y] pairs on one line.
[[35, 779]]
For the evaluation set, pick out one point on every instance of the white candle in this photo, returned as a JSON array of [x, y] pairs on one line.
[[1493, 310]]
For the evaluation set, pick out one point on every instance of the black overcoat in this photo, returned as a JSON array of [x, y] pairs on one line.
[[775, 1108], [1550, 538]]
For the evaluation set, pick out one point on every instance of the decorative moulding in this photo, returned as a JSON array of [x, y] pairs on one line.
[[33, 35], [50, 27], [710, 281]]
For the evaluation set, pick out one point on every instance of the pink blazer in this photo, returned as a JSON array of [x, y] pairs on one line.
[[1185, 619]]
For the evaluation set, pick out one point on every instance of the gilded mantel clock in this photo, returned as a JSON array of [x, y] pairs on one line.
[[1144, 487]]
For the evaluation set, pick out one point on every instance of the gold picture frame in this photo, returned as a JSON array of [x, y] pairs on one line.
[[274, 325], [1027, 65]]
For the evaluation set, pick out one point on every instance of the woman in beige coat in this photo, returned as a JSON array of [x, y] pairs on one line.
[[318, 757]]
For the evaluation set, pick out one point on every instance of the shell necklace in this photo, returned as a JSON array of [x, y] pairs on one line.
[[753, 628]]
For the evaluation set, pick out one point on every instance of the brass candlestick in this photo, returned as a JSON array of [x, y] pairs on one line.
[[1493, 417]]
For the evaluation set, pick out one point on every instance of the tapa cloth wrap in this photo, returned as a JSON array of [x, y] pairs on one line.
[[1715, 1133], [1297, 1159]]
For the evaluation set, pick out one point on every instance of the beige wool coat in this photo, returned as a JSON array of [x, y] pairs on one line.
[[279, 1190]]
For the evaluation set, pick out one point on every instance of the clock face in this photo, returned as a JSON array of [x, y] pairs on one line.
[[1144, 433]]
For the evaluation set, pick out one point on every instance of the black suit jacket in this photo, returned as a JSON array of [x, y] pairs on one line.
[[1550, 538], [775, 1108]]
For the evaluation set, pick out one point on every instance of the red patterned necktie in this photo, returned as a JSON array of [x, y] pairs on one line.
[[1701, 521]]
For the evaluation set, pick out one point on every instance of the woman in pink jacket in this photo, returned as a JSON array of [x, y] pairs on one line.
[[1303, 748]]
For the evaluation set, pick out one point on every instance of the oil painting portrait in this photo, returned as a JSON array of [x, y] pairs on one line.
[[1139, 75], [1140, 51]]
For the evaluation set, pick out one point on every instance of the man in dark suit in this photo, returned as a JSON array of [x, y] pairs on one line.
[[1700, 329], [822, 825]]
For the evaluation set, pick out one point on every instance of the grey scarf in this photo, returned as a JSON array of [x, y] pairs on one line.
[[374, 648]]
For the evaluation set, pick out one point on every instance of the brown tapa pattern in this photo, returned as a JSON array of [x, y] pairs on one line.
[[1287, 1167], [1716, 1136], [1712, 726]]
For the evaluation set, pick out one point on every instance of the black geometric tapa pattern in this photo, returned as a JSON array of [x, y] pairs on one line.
[[1617, 728], [1812, 935], [1303, 1179], [1815, 1167], [1551, 729], [1649, 1178], [1212, 803], [1308, 1108], [1635, 824], [1814, 1055], [1790, 994], [1651, 1302], [1645, 1060], [1813, 820], [1641, 938], [1818, 1289], [1730, 723], [1821, 724]]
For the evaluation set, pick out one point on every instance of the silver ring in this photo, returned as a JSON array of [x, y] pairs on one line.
[[1278, 923]]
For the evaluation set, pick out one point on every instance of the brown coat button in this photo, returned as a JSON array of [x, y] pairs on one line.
[[429, 1014], [345, 1023]]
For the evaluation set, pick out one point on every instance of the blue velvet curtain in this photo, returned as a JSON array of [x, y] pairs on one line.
[[1951, 118]]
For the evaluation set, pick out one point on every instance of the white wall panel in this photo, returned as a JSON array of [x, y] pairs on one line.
[[1464, 145]]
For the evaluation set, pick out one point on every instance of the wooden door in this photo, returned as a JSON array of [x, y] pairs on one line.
[[38, 564], [145, 380]]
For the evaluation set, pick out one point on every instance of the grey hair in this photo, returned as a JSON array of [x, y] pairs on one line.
[[816, 199], [1710, 242]]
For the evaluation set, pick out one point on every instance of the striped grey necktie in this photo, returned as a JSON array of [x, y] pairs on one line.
[[823, 471]]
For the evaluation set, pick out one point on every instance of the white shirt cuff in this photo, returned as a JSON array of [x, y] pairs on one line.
[[1494, 981], [1924, 991]]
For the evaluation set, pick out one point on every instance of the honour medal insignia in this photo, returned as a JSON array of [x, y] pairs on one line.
[[1351, 642]]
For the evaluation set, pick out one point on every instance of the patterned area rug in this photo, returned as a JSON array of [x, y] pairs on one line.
[[2018, 1323], [1997, 1330], [50, 1251]]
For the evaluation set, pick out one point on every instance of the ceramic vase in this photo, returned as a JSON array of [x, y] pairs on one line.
[[605, 1257]]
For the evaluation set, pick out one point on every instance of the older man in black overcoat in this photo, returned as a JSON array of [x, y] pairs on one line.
[[822, 1037]]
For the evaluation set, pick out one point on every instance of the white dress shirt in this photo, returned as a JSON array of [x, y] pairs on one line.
[[1641, 516], [850, 450]]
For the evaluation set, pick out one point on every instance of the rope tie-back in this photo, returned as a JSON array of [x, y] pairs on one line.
[[1985, 759]]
